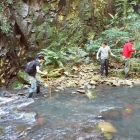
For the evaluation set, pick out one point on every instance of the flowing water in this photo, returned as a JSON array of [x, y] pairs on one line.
[[66, 116]]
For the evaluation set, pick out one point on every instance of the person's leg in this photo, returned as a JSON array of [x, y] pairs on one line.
[[38, 83], [102, 67], [106, 66], [32, 87], [126, 66]]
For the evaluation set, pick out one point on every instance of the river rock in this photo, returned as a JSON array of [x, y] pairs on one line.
[[106, 127], [96, 78], [128, 111], [108, 136], [87, 128], [115, 83], [128, 82], [41, 121], [90, 94], [114, 114], [81, 91], [23, 78], [1, 131], [6, 94], [93, 82]]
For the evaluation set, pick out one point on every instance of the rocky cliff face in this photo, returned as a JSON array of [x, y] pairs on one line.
[[32, 24]]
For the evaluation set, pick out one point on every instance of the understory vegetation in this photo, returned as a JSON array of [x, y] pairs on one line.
[[75, 39], [75, 43]]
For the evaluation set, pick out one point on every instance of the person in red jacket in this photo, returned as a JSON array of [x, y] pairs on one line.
[[127, 51]]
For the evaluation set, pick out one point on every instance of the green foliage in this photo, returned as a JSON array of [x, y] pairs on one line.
[[77, 55], [46, 9], [65, 45], [17, 85], [115, 36], [31, 14], [125, 11], [138, 54], [59, 57], [41, 30], [56, 58], [92, 46], [5, 27], [5, 16], [114, 20]]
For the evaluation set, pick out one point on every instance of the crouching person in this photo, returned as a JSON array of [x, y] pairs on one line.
[[32, 68]]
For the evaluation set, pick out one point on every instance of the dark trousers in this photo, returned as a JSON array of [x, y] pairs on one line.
[[104, 65]]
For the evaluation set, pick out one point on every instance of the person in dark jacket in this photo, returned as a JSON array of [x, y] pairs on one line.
[[126, 55], [34, 81]]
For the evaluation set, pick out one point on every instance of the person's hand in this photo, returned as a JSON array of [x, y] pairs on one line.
[[45, 73], [97, 57]]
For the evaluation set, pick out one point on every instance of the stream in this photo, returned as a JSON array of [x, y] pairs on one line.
[[64, 115]]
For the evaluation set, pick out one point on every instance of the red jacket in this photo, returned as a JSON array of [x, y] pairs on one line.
[[127, 50]]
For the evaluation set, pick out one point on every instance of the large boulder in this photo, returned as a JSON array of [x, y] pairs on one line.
[[114, 114], [107, 129], [23, 78]]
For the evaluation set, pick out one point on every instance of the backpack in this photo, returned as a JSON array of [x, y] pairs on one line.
[[30, 66]]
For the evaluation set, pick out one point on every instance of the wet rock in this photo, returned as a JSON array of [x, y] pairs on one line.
[[2, 93], [60, 88], [41, 121], [128, 82], [87, 128], [27, 129], [114, 114], [90, 94], [96, 78], [21, 129], [81, 91], [21, 94], [93, 82], [38, 114], [1, 131], [115, 83], [108, 136], [106, 127], [6, 94], [128, 111], [28, 116]]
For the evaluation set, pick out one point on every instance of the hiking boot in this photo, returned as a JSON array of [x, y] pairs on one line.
[[38, 89], [30, 95], [126, 76], [101, 76]]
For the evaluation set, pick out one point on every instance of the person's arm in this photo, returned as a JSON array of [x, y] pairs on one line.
[[111, 53], [131, 49], [39, 71], [97, 55]]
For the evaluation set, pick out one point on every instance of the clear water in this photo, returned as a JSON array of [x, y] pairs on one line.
[[71, 116]]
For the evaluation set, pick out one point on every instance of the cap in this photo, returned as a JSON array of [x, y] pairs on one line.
[[132, 39], [41, 56]]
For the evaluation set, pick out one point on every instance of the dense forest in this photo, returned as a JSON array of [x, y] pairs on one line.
[[65, 31]]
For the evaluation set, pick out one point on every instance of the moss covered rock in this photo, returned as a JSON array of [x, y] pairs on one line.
[[1, 131], [23, 78], [17, 85]]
